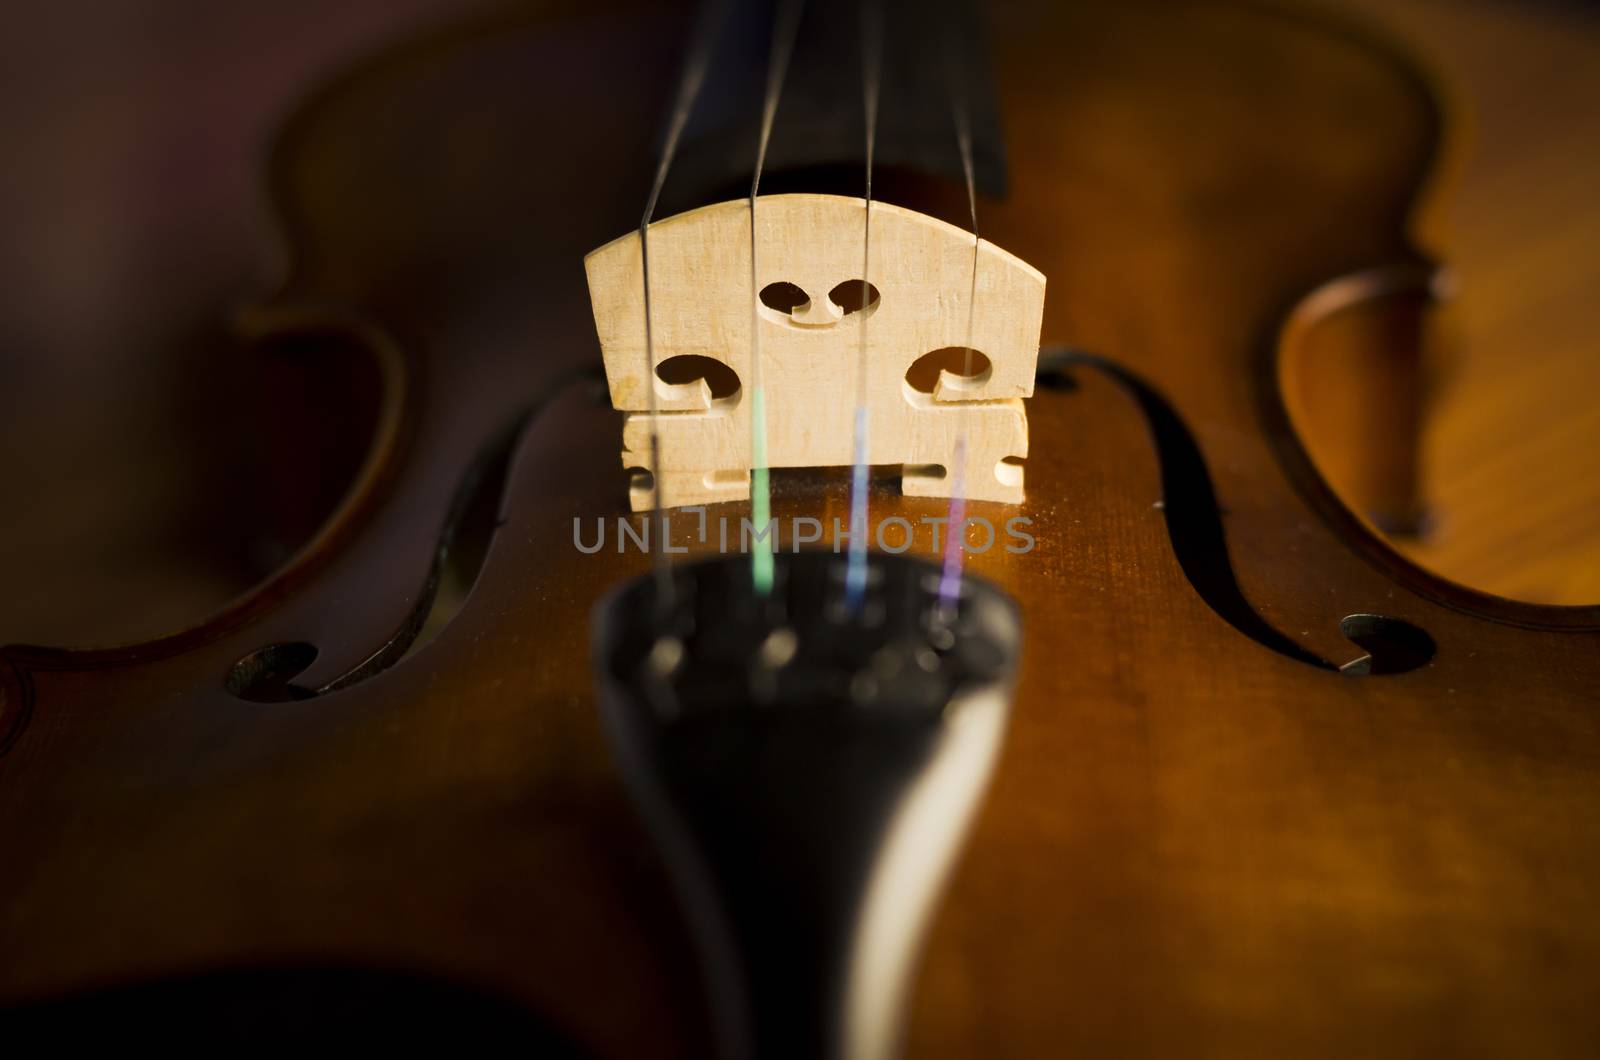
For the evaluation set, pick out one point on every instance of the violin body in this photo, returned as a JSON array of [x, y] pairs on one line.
[[1201, 835]]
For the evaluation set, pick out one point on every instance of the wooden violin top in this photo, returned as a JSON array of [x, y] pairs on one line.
[[1201, 836]]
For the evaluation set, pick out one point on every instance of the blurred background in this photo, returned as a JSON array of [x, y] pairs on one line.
[[140, 493]]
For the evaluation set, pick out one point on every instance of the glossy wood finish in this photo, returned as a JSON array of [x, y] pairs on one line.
[[1197, 840], [1353, 368], [1510, 460]]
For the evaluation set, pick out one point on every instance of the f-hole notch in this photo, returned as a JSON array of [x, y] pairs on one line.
[[1392, 645], [1194, 527], [267, 674]]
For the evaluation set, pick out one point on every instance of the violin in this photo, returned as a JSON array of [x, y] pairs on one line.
[[1186, 758]]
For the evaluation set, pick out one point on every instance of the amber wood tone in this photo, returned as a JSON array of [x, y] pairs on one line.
[[1507, 472], [1511, 445], [1196, 842], [1352, 366]]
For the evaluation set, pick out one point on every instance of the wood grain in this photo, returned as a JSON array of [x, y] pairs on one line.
[[924, 273], [1197, 842], [1509, 463]]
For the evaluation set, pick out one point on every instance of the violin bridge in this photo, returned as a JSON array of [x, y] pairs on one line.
[[918, 314]]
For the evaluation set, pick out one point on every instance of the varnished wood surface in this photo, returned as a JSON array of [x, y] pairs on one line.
[[140, 492], [135, 222], [1195, 843], [1511, 445]]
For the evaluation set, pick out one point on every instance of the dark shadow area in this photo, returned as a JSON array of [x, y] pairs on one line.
[[1393, 646], [289, 1007]]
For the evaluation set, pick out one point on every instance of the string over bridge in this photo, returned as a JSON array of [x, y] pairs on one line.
[[919, 300]]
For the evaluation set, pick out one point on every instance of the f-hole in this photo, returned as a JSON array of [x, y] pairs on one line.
[[1194, 528], [1392, 646], [267, 674]]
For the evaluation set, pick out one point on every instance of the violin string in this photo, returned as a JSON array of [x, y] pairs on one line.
[[871, 76], [690, 79], [954, 551], [784, 31]]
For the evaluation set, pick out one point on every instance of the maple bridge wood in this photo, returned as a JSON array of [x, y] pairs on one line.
[[921, 276]]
